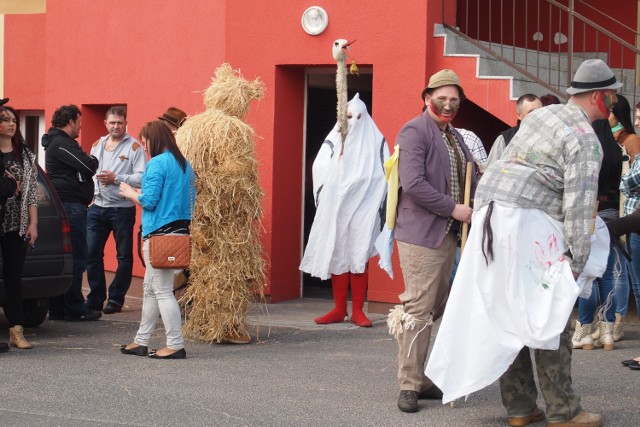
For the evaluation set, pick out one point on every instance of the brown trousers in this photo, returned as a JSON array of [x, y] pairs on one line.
[[426, 274]]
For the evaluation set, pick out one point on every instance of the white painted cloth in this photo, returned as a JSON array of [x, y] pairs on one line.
[[524, 297], [384, 245], [349, 190]]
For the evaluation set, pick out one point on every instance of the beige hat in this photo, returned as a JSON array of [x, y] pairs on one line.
[[593, 74], [444, 77]]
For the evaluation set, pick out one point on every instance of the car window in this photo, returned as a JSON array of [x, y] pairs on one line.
[[46, 204]]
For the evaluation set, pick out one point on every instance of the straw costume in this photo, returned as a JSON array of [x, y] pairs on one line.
[[226, 270]]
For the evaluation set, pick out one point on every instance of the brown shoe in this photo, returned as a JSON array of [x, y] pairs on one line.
[[236, 338], [536, 415], [16, 338], [583, 419]]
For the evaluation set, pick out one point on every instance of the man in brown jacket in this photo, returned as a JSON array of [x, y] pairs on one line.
[[431, 168]]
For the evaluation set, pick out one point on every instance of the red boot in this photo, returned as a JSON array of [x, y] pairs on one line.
[[358, 295], [340, 285]]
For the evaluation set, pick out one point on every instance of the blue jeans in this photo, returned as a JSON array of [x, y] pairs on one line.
[[615, 273], [101, 222], [71, 304], [635, 271], [455, 266]]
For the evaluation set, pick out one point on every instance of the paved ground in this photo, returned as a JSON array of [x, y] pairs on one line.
[[295, 373]]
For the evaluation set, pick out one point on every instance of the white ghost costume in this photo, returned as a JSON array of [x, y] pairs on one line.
[[349, 189]]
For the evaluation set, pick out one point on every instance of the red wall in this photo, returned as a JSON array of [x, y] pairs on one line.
[[396, 49], [150, 55], [146, 54], [24, 64]]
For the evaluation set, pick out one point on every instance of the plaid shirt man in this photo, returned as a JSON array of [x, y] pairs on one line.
[[551, 164]]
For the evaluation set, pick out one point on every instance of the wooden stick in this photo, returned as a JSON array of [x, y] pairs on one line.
[[467, 201], [465, 226]]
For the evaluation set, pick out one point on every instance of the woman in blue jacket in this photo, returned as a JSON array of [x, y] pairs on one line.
[[167, 198]]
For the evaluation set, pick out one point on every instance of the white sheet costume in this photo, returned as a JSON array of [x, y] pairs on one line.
[[522, 298], [349, 189]]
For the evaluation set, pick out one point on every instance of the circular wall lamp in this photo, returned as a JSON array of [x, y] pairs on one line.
[[315, 20]]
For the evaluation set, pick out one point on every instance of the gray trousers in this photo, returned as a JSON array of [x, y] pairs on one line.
[[158, 300], [426, 279], [518, 387]]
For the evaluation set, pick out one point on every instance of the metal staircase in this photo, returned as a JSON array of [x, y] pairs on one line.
[[539, 48]]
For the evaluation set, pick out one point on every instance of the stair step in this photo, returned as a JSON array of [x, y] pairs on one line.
[[550, 67]]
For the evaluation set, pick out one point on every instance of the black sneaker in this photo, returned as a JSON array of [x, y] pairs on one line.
[[112, 307], [87, 317], [432, 393], [93, 306], [408, 401], [4, 347]]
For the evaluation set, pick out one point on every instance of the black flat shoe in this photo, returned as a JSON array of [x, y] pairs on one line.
[[629, 362], [141, 350], [111, 308], [4, 347], [178, 354]]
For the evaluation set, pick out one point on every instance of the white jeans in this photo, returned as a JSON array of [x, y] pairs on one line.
[[158, 299]]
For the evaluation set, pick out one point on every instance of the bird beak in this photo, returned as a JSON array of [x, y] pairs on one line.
[[347, 44]]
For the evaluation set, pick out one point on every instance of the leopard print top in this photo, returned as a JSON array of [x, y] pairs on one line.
[[16, 208]]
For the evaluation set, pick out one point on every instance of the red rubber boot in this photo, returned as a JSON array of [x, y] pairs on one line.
[[358, 295], [340, 285]]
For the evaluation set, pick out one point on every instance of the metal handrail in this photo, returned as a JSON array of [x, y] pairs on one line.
[[585, 38]]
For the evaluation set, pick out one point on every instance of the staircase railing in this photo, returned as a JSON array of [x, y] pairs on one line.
[[546, 40]]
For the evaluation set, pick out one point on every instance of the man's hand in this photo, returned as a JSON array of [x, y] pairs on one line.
[[462, 213], [106, 177]]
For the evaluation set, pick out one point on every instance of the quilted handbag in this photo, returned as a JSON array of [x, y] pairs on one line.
[[170, 251]]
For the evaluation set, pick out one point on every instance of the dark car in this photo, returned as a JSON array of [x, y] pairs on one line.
[[48, 266]]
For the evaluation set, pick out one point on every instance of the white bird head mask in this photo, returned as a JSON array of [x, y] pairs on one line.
[[340, 49]]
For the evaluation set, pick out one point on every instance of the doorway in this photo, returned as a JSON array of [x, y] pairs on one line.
[[320, 118], [32, 126]]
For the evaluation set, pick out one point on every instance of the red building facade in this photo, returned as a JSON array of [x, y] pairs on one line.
[[149, 55]]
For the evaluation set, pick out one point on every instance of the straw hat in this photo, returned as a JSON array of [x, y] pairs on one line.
[[174, 116], [444, 77], [593, 74]]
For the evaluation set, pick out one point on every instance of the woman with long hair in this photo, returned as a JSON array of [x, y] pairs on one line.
[[622, 127], [19, 219], [167, 197], [589, 332]]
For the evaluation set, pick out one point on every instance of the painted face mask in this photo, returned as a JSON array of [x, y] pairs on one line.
[[444, 111], [606, 102]]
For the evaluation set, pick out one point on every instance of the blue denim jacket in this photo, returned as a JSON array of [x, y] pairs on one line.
[[168, 193]]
